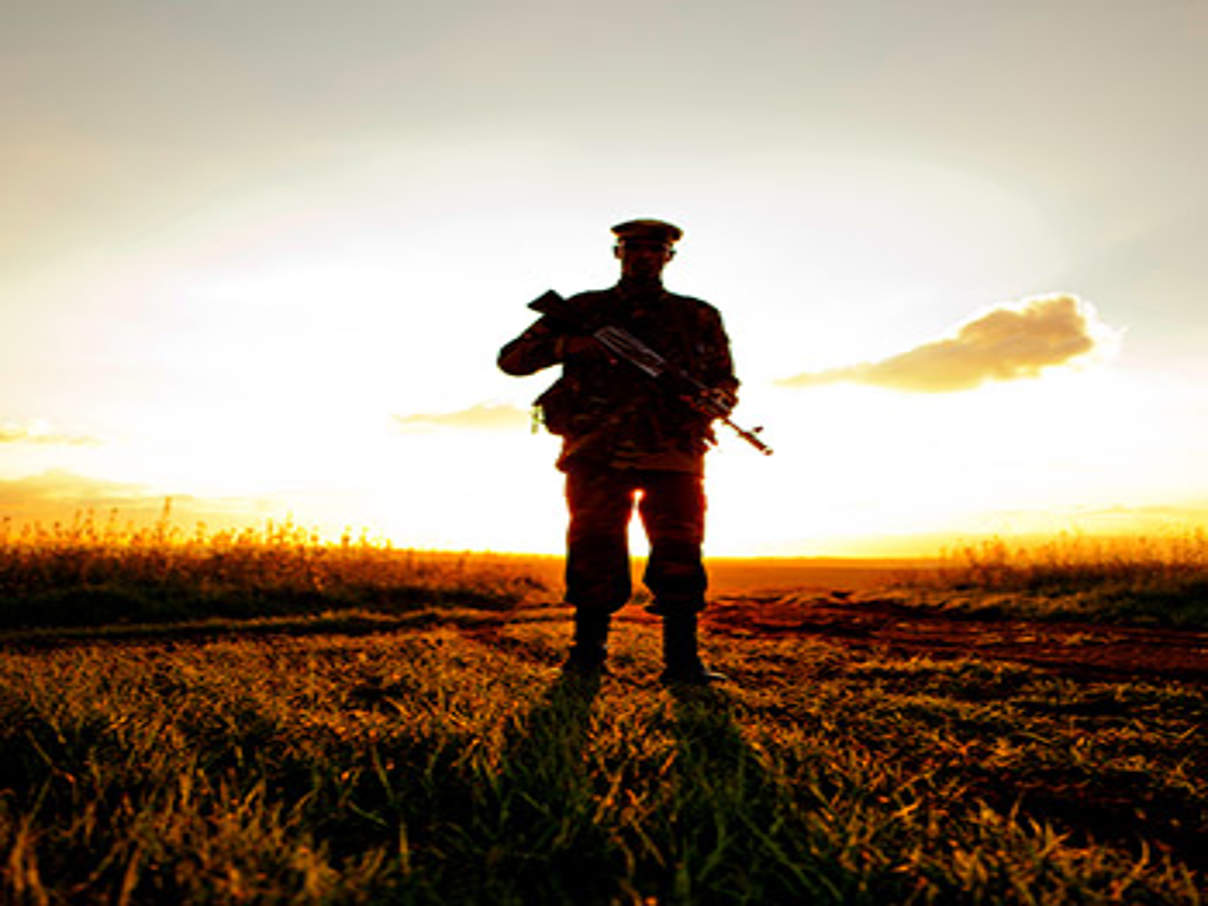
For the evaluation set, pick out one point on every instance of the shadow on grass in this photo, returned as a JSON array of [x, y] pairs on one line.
[[728, 814], [536, 837], [580, 812], [742, 832]]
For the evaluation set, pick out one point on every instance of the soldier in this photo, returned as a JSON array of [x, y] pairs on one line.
[[623, 436]]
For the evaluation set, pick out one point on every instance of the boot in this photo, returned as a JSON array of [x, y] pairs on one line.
[[680, 656], [589, 649]]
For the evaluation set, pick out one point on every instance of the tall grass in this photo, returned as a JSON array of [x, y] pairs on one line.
[[1156, 579], [90, 573]]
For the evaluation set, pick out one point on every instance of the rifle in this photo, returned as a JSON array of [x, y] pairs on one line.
[[708, 401]]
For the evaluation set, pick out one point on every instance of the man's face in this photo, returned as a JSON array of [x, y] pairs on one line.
[[642, 259]]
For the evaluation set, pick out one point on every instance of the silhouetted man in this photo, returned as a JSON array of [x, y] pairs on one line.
[[623, 434]]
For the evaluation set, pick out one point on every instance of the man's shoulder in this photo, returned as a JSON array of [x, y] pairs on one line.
[[690, 302], [590, 296], [697, 309]]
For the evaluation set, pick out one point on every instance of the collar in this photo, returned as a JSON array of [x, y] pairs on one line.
[[639, 291]]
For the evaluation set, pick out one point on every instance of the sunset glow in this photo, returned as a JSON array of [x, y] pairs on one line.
[[262, 264]]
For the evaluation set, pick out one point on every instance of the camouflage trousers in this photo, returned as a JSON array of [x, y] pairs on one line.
[[672, 509]]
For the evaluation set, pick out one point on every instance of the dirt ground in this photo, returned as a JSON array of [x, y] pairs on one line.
[[872, 621]]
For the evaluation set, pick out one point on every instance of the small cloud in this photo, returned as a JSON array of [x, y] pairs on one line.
[[1004, 344], [39, 432], [483, 417]]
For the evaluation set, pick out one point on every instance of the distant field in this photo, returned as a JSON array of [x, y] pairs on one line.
[[260, 718], [732, 575]]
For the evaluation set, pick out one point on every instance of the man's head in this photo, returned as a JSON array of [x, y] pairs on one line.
[[644, 247]]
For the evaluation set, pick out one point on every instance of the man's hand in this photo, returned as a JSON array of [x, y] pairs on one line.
[[722, 397], [583, 348], [714, 401]]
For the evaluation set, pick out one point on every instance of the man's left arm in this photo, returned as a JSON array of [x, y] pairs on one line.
[[716, 365]]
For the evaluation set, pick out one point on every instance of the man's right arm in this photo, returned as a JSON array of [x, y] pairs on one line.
[[536, 348], [541, 346]]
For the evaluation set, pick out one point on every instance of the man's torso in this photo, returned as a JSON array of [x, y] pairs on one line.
[[617, 415]]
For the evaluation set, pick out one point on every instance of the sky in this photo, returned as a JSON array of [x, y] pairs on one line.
[[260, 257]]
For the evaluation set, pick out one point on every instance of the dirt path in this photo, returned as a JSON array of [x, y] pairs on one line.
[[885, 624], [861, 621]]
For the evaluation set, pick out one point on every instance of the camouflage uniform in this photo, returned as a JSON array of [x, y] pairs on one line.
[[622, 435]]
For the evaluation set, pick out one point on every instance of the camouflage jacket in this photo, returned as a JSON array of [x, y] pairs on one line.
[[613, 414]]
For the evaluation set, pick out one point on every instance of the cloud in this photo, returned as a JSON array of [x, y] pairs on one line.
[[39, 433], [1004, 344], [483, 417]]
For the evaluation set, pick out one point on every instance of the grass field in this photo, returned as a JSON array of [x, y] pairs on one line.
[[261, 718]]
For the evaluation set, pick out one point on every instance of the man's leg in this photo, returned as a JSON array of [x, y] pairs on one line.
[[600, 502], [673, 512]]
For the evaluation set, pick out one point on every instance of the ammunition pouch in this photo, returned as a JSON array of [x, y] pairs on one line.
[[557, 407]]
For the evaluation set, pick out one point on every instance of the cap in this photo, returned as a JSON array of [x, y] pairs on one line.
[[648, 231]]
